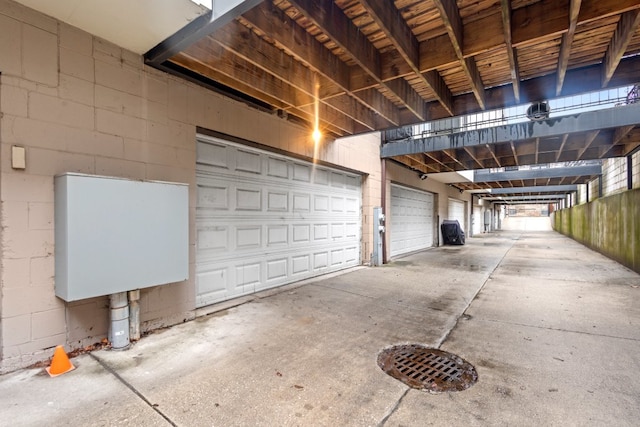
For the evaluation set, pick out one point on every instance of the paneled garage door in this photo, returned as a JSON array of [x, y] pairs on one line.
[[411, 222], [478, 221], [456, 211], [265, 220]]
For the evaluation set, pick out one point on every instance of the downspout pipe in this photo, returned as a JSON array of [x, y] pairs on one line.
[[119, 321]]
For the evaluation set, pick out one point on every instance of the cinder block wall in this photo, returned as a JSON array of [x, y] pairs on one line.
[[608, 225], [81, 104]]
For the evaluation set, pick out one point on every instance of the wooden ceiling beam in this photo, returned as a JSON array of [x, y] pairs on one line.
[[420, 161], [617, 139], [391, 22], [511, 52], [565, 44], [590, 137], [547, 19], [625, 30], [295, 40], [471, 152], [530, 25], [565, 137], [332, 21], [433, 157], [269, 58], [453, 23], [235, 69], [515, 154]]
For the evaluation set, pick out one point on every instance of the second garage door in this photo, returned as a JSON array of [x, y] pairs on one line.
[[264, 220], [456, 211], [411, 223]]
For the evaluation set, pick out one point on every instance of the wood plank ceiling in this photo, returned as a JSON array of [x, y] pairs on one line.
[[381, 64]]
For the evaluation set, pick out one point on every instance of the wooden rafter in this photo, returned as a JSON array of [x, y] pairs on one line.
[[565, 137], [514, 152], [511, 52], [446, 167], [493, 154], [390, 21], [275, 62], [565, 45], [471, 152], [305, 48], [617, 139], [345, 34], [228, 71], [591, 136], [453, 23], [625, 30]]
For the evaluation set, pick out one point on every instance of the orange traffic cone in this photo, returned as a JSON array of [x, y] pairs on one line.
[[60, 363]]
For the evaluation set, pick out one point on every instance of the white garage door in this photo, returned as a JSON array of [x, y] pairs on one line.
[[456, 211], [411, 222], [264, 220], [477, 220]]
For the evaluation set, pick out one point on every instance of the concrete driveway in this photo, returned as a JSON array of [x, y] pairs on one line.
[[552, 328]]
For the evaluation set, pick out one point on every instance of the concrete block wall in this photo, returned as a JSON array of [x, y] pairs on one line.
[[78, 103], [614, 175], [608, 225]]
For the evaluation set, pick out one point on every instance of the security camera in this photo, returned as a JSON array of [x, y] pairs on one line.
[[423, 176]]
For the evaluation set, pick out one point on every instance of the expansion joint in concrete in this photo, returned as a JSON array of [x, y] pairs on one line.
[[132, 388]]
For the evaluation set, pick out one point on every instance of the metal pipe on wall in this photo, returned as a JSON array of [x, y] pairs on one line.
[[119, 321]]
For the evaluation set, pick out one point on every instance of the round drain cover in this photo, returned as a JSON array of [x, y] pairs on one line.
[[427, 369]]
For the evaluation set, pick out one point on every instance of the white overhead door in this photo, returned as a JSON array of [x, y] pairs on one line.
[[477, 220], [265, 220], [456, 211], [411, 220]]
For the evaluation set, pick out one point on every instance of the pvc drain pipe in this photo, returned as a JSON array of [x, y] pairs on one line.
[[119, 325], [134, 315]]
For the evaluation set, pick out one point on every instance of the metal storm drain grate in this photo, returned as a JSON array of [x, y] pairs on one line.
[[427, 369]]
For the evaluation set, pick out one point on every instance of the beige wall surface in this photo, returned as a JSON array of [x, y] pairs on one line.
[[80, 104]]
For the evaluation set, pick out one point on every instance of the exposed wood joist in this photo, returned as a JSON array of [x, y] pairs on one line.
[[388, 18], [617, 138], [333, 22], [275, 62], [511, 52], [625, 30], [567, 41], [562, 144], [588, 141], [453, 23], [228, 71], [305, 48]]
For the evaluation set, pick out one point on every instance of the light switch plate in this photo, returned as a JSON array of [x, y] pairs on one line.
[[18, 157]]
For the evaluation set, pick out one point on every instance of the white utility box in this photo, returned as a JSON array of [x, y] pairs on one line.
[[114, 235]]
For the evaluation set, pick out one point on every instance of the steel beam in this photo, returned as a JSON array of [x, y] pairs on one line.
[[540, 189], [522, 198], [561, 172], [221, 14], [626, 115]]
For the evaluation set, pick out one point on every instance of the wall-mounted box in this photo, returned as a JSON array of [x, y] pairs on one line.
[[114, 235]]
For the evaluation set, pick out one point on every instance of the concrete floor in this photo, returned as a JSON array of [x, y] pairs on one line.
[[552, 328]]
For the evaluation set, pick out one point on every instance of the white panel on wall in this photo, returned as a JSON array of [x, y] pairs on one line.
[[114, 235], [284, 219]]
